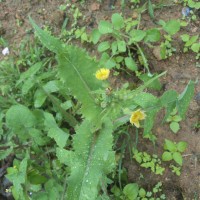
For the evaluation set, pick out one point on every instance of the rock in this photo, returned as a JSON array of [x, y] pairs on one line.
[[197, 98], [156, 53], [95, 6]]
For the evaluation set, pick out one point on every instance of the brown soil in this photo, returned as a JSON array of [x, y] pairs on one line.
[[180, 69]]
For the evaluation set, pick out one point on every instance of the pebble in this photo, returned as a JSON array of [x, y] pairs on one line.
[[156, 53], [185, 11], [197, 98]]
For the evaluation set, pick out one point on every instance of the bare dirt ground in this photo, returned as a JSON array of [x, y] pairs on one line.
[[180, 69]]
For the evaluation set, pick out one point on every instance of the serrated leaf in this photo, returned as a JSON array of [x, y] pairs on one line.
[[172, 27], [91, 159], [152, 35], [30, 72], [156, 85], [169, 145], [121, 45], [195, 47], [117, 21], [181, 146], [59, 136], [168, 100], [131, 191], [167, 156], [184, 99], [137, 35], [5, 153], [54, 131], [95, 35], [149, 120], [39, 98], [145, 100], [50, 42], [76, 69], [192, 40], [151, 10], [174, 126], [19, 117], [130, 63], [178, 158], [105, 27], [185, 37], [103, 46]]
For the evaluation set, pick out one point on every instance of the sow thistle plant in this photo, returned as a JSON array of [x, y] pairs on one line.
[[79, 144]]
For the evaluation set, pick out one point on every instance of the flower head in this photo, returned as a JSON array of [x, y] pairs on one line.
[[136, 116], [102, 74]]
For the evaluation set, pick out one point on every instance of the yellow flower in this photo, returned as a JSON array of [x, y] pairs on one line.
[[136, 116], [102, 74]]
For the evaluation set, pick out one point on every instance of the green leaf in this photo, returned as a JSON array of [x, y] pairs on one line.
[[114, 47], [151, 10], [168, 100], [35, 178], [184, 99], [130, 64], [30, 72], [90, 161], [18, 177], [54, 131], [195, 47], [137, 35], [19, 117], [172, 27], [103, 46], [142, 192], [174, 126], [185, 37], [105, 27], [39, 98], [53, 44], [76, 69], [152, 35], [145, 100], [178, 158], [95, 35], [131, 191], [169, 145], [181, 146], [167, 156], [117, 21], [156, 85], [121, 46], [36, 136], [5, 153], [149, 121], [192, 40], [176, 118]]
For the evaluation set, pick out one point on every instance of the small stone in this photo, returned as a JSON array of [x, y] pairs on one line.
[[185, 11], [95, 6], [156, 53], [135, 15], [197, 98], [5, 51], [194, 30]]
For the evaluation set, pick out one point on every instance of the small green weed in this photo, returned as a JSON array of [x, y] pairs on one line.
[[173, 151], [147, 161]]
